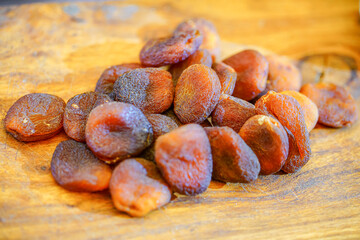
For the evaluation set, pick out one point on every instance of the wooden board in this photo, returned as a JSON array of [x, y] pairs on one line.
[[62, 48]]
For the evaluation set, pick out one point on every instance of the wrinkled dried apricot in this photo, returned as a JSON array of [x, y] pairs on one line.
[[77, 111], [75, 168], [294, 162], [196, 94], [137, 187], [311, 112], [171, 50], [267, 138], [184, 159], [199, 57], [35, 116], [116, 131], [171, 114], [337, 108], [283, 75], [150, 89], [232, 112], [105, 84], [227, 77], [252, 70], [233, 159]]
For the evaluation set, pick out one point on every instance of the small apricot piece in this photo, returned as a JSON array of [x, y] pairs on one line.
[[283, 75], [227, 77], [137, 187], [116, 131], [252, 70], [196, 94], [311, 112], [171, 50], [232, 112], [233, 159], [199, 57], [337, 108], [75, 168], [294, 162], [267, 138], [184, 159], [35, 116], [77, 111], [150, 89]]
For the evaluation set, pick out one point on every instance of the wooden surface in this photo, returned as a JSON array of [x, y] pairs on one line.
[[62, 48]]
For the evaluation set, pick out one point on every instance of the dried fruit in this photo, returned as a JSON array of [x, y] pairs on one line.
[[35, 116], [137, 187], [116, 131], [252, 70], [233, 159], [184, 159], [196, 94], [267, 138], [75, 168], [337, 108], [150, 89], [171, 114], [294, 162], [77, 111], [227, 77], [232, 112]]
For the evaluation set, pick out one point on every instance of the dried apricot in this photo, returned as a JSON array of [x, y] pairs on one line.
[[227, 77], [233, 159], [75, 168], [252, 70], [150, 89], [196, 94], [137, 187], [267, 138], [77, 111], [232, 112], [184, 159], [116, 131], [294, 162], [171, 114], [35, 116], [337, 108]]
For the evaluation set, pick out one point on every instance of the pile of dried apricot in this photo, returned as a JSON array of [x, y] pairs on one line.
[[180, 118]]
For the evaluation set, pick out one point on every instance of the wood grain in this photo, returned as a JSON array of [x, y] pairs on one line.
[[62, 48]]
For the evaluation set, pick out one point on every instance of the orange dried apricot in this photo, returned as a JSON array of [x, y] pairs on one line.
[[227, 77], [294, 162]]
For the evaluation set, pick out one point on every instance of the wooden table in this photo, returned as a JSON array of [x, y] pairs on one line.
[[62, 48]]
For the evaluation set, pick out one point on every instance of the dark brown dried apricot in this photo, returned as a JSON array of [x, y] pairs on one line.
[[137, 187], [196, 94], [116, 131], [252, 70], [171, 50], [267, 138], [76, 168], [232, 112], [35, 116], [199, 57], [150, 89], [337, 108], [184, 159], [227, 77], [233, 159], [77, 111]]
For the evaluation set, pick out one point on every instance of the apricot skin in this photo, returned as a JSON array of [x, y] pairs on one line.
[[227, 77]]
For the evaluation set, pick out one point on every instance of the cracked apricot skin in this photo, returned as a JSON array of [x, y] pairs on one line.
[[35, 116], [171, 50], [227, 77], [233, 159], [76, 168], [137, 187], [252, 70], [184, 159], [196, 94], [268, 139], [337, 108], [149, 89], [77, 111], [232, 112], [116, 131]]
